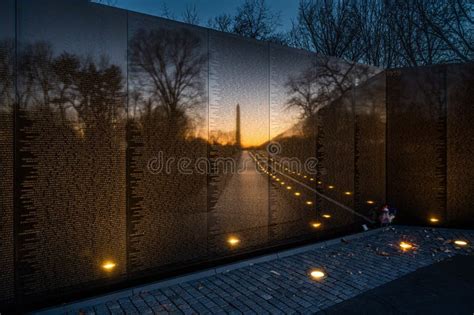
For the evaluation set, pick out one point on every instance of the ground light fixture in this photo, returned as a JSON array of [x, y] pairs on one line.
[[405, 246], [317, 274], [233, 241], [109, 265], [327, 216], [331, 187], [309, 203], [288, 187], [460, 243], [347, 193], [434, 220], [316, 225], [370, 202], [297, 194]]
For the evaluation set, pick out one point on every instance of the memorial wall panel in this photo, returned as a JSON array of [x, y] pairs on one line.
[[292, 147], [336, 122], [70, 172], [416, 143], [370, 127], [168, 131], [460, 137], [7, 103], [238, 125], [134, 146]]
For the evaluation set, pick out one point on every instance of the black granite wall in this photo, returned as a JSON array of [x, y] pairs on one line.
[[7, 103], [429, 144], [70, 146], [103, 97], [460, 141]]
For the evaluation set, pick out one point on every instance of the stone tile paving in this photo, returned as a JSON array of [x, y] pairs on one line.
[[283, 286]]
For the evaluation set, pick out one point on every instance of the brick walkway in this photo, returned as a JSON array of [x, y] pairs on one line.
[[284, 286]]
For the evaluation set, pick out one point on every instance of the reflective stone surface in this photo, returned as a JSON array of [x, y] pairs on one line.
[[167, 112], [290, 216], [137, 146], [7, 102], [370, 111], [238, 76], [460, 137], [336, 147], [70, 130], [416, 143]]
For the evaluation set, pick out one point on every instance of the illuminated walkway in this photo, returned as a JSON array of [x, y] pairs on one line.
[[243, 205], [283, 284]]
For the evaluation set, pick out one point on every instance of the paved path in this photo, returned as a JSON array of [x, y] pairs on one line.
[[243, 205], [443, 288], [283, 286]]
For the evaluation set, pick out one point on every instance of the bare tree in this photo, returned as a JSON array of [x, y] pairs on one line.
[[323, 82], [7, 62], [166, 12], [190, 15], [255, 19], [452, 23], [223, 23], [374, 37], [37, 77], [98, 90], [169, 64], [328, 27], [416, 44], [387, 33]]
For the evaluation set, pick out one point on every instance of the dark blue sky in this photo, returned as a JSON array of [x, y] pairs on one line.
[[209, 8]]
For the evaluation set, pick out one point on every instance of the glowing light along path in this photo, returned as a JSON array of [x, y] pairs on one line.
[[347, 193], [317, 192]]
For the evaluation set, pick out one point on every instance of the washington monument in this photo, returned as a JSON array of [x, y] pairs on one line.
[[238, 141]]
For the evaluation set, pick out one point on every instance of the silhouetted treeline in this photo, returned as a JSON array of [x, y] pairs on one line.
[[84, 94], [386, 33], [75, 107], [381, 33]]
